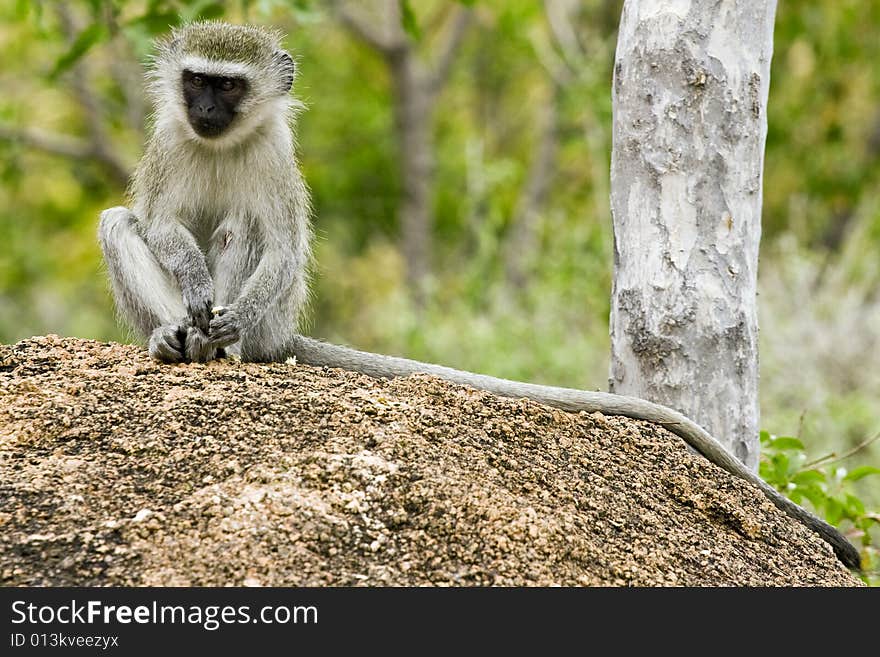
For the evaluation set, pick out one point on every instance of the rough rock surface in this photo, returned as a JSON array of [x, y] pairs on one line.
[[115, 470]]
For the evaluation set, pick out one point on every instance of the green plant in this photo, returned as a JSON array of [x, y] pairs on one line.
[[829, 488]]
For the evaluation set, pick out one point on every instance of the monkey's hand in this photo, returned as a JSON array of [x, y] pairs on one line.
[[225, 328], [198, 300]]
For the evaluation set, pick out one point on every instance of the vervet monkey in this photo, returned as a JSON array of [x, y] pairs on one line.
[[213, 256]]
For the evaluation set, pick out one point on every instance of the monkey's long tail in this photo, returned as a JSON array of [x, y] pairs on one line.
[[314, 352]]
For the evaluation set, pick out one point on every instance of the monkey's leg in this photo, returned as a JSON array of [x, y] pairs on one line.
[[261, 291], [147, 297], [230, 260]]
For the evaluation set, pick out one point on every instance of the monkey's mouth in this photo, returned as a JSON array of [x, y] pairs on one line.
[[208, 129]]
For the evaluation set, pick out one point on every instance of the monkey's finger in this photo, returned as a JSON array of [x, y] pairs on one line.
[[199, 310], [166, 344], [220, 320], [174, 339], [225, 336], [223, 328], [163, 347], [202, 319], [164, 353], [224, 325], [198, 347], [225, 339]]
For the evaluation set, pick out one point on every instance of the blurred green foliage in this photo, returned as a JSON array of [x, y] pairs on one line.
[[820, 310], [829, 488]]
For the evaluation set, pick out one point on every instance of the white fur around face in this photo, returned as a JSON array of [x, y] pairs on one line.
[[198, 64], [261, 106]]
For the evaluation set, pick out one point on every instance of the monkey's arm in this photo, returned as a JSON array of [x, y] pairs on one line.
[[274, 275], [314, 352], [179, 254]]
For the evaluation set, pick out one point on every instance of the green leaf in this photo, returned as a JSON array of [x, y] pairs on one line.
[[833, 511], [22, 8], [154, 23], [87, 38], [810, 491], [765, 437], [787, 443], [304, 12], [202, 10], [817, 497], [860, 472], [212, 10], [854, 506], [408, 20], [96, 6], [780, 467], [808, 477]]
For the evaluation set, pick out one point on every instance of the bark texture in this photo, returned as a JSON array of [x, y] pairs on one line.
[[690, 92]]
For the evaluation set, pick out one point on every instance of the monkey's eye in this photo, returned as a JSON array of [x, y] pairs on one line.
[[227, 84], [197, 81]]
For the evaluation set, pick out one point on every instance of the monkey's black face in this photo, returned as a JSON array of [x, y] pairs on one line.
[[211, 101]]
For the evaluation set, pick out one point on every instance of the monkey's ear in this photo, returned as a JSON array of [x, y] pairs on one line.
[[286, 67]]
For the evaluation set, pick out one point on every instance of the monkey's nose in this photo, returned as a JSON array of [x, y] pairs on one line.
[[205, 109]]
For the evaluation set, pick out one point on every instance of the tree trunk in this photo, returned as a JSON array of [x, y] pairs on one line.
[[416, 86], [690, 92], [413, 114]]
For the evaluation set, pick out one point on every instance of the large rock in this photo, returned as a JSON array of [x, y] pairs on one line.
[[115, 470]]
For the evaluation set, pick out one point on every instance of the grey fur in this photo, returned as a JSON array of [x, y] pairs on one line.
[[220, 221], [226, 225]]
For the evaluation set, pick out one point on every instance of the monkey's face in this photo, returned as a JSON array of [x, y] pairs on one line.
[[212, 101]]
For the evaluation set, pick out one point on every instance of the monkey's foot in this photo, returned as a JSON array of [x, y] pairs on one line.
[[167, 343], [199, 348]]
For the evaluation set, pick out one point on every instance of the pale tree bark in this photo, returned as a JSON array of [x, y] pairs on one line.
[[690, 96], [416, 83]]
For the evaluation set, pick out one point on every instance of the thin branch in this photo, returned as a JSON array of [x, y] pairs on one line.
[[100, 147], [79, 81], [125, 70], [439, 18], [828, 459], [557, 68], [558, 17], [454, 35], [66, 146], [50, 143], [366, 32]]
